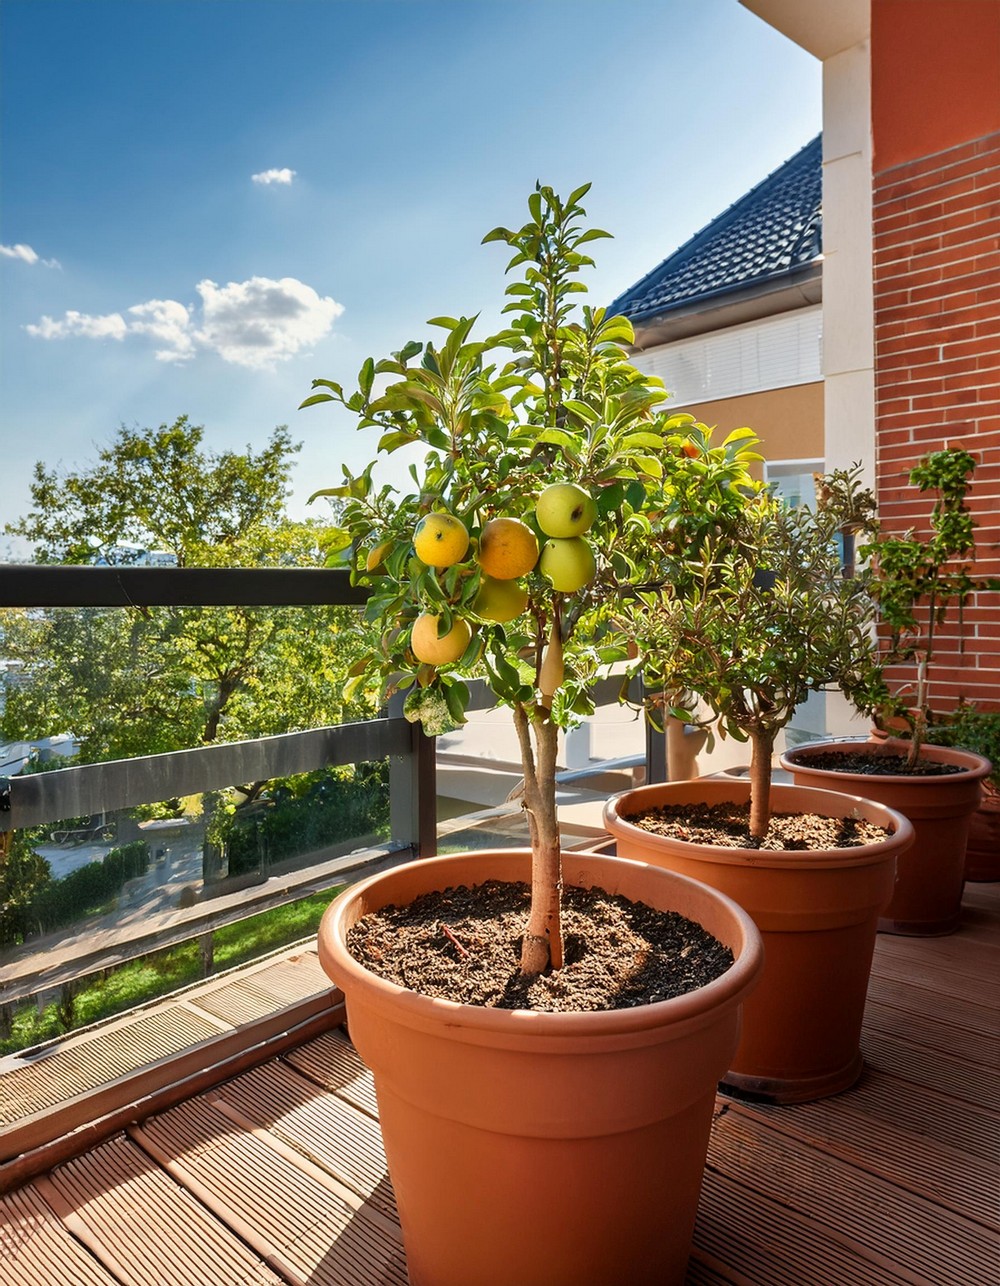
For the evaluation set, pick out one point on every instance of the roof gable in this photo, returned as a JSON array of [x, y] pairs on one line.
[[772, 232]]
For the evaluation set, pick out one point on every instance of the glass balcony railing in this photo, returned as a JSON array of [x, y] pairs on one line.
[[125, 879]]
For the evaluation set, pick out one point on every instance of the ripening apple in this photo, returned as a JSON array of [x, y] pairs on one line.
[[434, 649], [508, 548], [440, 540], [564, 510], [568, 564], [499, 600]]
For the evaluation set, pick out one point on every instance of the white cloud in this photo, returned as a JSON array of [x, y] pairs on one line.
[[167, 322], [258, 322], [27, 255], [267, 177], [110, 326], [253, 323]]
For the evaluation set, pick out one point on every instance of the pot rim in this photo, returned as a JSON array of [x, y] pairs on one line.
[[871, 854], [729, 988], [973, 766]]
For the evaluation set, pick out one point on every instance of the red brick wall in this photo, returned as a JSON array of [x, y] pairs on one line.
[[937, 367]]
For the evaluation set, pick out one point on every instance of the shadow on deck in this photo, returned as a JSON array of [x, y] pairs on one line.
[[277, 1175]]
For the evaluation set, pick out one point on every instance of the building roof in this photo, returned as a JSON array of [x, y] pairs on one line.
[[769, 234]]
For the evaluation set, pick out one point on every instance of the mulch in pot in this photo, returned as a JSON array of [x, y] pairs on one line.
[[727, 825], [464, 944], [877, 764]]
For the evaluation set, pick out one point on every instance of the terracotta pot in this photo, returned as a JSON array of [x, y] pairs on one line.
[[927, 897], [817, 912], [539, 1148], [982, 853]]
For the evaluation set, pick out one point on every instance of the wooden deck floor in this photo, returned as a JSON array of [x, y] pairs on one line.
[[278, 1175]]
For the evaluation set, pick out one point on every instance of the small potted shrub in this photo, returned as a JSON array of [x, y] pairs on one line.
[[969, 728], [533, 1132], [916, 584], [759, 619]]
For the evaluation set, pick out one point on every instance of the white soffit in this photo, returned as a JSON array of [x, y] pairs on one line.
[[775, 352], [821, 27]]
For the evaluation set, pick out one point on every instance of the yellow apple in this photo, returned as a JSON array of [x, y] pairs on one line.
[[508, 548], [564, 510], [499, 600], [431, 649], [568, 564], [440, 540]]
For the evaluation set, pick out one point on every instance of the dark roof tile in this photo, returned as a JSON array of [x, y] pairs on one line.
[[772, 231]]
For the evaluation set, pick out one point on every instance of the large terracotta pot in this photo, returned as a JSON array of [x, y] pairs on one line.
[[537, 1148], [817, 912], [927, 896]]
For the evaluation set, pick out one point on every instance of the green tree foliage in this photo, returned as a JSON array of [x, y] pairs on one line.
[[161, 489], [758, 615], [551, 399], [133, 682]]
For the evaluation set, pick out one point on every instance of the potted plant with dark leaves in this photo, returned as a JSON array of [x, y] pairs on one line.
[[917, 583], [761, 618], [535, 1130]]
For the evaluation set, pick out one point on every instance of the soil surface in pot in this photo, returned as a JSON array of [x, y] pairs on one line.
[[727, 825], [876, 764], [464, 944]]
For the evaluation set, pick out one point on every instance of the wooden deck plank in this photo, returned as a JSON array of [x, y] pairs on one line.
[[948, 1074], [321, 1126], [37, 1249], [903, 1135], [144, 1228], [303, 1221], [853, 1207], [331, 1061], [745, 1238]]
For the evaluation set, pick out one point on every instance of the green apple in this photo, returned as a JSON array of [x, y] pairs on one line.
[[499, 600], [564, 510], [568, 564]]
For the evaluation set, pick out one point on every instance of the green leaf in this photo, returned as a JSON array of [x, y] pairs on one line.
[[448, 323], [316, 399], [399, 438], [643, 439], [366, 376]]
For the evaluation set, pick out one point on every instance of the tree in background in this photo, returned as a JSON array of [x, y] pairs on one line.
[[143, 681]]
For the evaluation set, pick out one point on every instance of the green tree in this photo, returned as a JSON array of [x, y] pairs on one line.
[[135, 681], [160, 488]]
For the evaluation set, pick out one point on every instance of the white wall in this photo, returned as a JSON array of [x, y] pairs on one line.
[[774, 352]]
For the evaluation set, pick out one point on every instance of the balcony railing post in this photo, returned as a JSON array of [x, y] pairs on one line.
[[656, 749], [413, 789]]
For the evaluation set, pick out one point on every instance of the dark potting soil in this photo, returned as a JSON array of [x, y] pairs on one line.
[[874, 764], [727, 825], [464, 944]]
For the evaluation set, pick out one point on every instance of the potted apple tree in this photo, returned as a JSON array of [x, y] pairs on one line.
[[534, 1130], [759, 619]]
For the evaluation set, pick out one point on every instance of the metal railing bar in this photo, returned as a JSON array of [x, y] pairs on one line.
[[41, 585], [37, 798]]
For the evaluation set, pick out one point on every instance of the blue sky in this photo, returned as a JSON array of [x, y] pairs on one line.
[[208, 203]]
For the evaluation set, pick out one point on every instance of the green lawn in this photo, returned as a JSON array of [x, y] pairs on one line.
[[155, 975]]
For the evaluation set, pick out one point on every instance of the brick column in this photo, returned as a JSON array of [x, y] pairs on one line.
[[937, 367]]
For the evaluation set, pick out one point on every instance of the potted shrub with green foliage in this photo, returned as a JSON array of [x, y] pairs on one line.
[[533, 1132], [916, 584], [969, 728], [760, 618]]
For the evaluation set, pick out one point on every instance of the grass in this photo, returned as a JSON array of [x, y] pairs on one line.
[[156, 975]]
